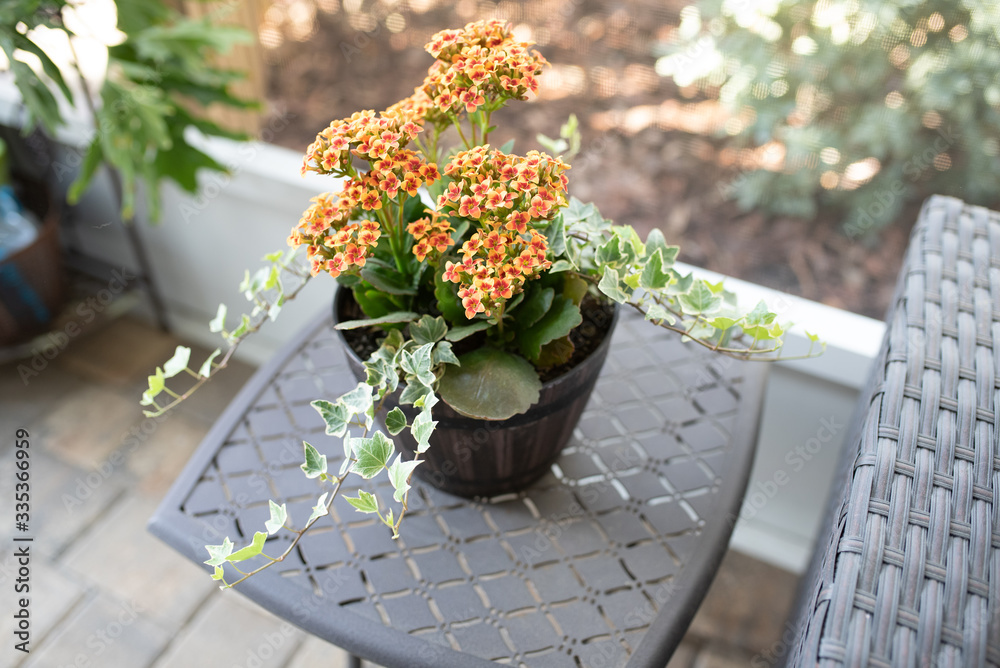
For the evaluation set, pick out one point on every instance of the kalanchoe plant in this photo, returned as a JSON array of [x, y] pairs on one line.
[[487, 250]]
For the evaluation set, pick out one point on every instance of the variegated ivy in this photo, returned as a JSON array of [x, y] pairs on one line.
[[416, 364]]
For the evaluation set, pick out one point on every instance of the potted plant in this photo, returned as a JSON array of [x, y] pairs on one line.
[[476, 297]]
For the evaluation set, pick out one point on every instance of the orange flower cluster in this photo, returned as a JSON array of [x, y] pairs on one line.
[[504, 194], [493, 185], [335, 243], [480, 65], [430, 234], [364, 135], [496, 263]]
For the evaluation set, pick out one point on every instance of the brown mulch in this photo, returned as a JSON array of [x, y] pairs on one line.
[[649, 157]]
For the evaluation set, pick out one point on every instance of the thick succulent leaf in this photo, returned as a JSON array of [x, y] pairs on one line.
[[556, 323], [490, 384]]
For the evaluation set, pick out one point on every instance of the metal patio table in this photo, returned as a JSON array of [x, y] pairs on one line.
[[601, 563]]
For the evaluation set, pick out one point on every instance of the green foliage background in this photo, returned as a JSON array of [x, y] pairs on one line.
[[153, 77], [900, 81]]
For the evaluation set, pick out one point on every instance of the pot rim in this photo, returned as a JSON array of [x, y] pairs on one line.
[[547, 385]]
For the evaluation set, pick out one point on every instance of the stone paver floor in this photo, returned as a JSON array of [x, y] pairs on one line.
[[104, 592]]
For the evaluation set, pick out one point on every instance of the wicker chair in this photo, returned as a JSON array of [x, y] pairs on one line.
[[907, 571]]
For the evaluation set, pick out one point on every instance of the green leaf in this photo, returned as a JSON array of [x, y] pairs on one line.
[[447, 300], [721, 322], [553, 353], [319, 510], [373, 454], [491, 384], [219, 553], [422, 428], [428, 329], [219, 321], [391, 318], [575, 289], [255, 547], [534, 307], [177, 363], [315, 463], [219, 573], [657, 313], [560, 266], [399, 475], [387, 279], [365, 502], [653, 277], [556, 234], [395, 421], [278, 516], [611, 286], [206, 367], [358, 400], [699, 299], [443, 354], [418, 363], [334, 415], [559, 321], [157, 383], [463, 331]]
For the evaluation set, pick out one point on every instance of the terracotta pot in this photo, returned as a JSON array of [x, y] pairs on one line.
[[471, 457]]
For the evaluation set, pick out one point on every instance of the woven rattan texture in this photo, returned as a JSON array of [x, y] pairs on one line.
[[909, 575], [569, 573]]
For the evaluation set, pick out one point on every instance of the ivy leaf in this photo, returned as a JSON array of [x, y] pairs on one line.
[[315, 463], [653, 277], [219, 573], [177, 363], [255, 547], [206, 367], [463, 331], [389, 319], [556, 323], [443, 354], [491, 384], [373, 455], [418, 363], [319, 510], [428, 329], [278, 516], [556, 234], [611, 286], [722, 322], [334, 415], [658, 313], [561, 265], [358, 400], [219, 321], [395, 421], [399, 474], [156, 385], [365, 502], [219, 553], [422, 428], [700, 299]]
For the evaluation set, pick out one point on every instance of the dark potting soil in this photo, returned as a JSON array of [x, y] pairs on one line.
[[597, 318]]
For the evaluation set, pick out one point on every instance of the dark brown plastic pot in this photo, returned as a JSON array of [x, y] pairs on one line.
[[471, 457]]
